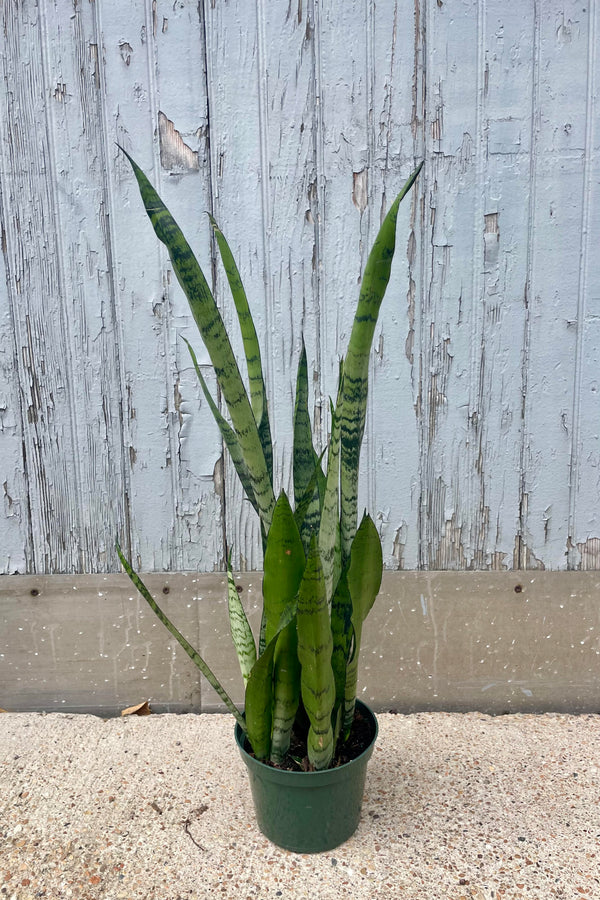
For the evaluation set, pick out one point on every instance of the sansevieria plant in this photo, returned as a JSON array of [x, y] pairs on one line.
[[322, 569]]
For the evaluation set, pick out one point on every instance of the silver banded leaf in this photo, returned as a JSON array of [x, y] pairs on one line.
[[305, 458], [213, 332], [259, 692], [258, 394], [193, 654], [329, 531], [241, 633]]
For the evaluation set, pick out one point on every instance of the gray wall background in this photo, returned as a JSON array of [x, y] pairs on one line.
[[295, 123]]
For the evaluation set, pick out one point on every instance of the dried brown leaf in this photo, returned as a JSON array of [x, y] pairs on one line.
[[141, 709]]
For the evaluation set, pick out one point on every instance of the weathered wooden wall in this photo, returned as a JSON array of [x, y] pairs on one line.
[[295, 123]]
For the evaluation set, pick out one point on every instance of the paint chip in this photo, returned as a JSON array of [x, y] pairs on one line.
[[360, 190], [174, 152]]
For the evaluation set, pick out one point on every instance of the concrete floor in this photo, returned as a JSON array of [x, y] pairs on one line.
[[456, 806]]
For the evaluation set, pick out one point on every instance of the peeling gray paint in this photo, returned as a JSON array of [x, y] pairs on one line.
[[299, 123]]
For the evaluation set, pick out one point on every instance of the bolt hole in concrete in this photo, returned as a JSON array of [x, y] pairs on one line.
[[166, 589], [518, 588]]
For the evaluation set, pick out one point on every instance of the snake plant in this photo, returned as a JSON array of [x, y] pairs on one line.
[[322, 570]]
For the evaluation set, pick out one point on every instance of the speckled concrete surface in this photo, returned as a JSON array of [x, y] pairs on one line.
[[456, 806]]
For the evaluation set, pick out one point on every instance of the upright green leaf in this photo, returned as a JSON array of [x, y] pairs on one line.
[[303, 505], [193, 654], [341, 632], [211, 327], [258, 394], [241, 633], [259, 691], [305, 458], [356, 365], [283, 567], [329, 532], [259, 703], [365, 570], [315, 647], [364, 580], [286, 691], [283, 564]]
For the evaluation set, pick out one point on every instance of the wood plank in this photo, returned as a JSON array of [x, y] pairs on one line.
[[239, 182], [186, 186], [399, 143], [173, 445], [73, 59], [489, 641], [130, 119], [15, 518], [556, 323], [502, 232], [36, 252], [448, 340], [366, 67], [264, 112], [584, 512]]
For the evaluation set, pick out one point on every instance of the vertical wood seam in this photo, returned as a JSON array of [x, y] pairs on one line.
[[319, 277], [212, 195], [422, 12], [366, 237], [263, 125], [173, 550]]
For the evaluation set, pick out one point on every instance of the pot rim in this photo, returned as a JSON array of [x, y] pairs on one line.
[[323, 774]]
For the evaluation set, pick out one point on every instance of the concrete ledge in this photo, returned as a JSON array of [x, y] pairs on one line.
[[490, 641]]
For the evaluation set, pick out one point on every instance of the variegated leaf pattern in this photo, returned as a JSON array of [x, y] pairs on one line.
[[259, 692], [320, 581], [258, 394], [304, 455], [356, 364], [329, 531], [286, 691], [193, 654], [241, 633], [211, 327], [284, 564], [315, 647]]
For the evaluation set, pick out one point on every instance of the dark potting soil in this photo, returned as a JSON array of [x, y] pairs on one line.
[[361, 735]]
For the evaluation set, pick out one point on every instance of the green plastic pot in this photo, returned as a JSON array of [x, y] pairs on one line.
[[309, 812]]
